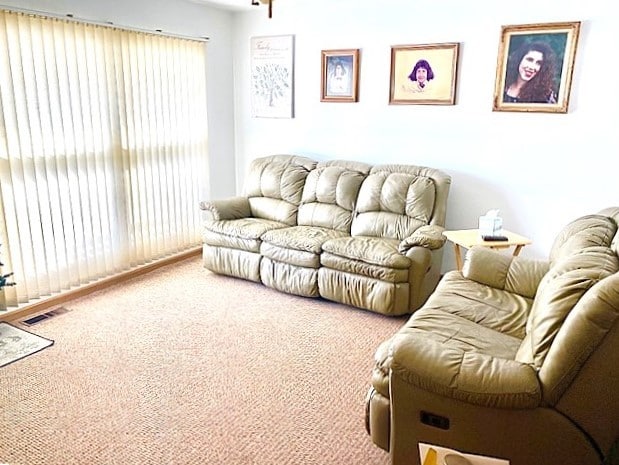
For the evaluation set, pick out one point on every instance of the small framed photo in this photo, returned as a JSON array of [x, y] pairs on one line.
[[339, 75], [534, 67], [424, 74]]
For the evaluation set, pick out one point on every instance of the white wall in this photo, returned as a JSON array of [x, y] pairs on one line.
[[540, 170], [177, 17]]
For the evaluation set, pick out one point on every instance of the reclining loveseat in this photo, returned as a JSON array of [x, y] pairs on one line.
[[366, 236], [511, 358]]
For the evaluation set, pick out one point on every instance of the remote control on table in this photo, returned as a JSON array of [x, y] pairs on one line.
[[494, 238]]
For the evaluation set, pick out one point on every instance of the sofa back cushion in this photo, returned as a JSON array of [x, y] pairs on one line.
[[583, 254], [586, 231], [613, 213], [395, 200], [590, 327], [558, 293], [274, 186], [330, 194]]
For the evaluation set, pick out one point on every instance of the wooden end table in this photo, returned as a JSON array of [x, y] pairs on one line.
[[467, 238]]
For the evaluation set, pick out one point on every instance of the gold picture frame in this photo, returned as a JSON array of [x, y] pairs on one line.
[[534, 67], [424, 74], [339, 75]]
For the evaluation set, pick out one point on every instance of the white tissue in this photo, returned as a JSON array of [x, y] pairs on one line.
[[491, 224]]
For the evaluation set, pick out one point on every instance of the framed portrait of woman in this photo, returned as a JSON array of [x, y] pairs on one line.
[[423, 74], [534, 67], [339, 75]]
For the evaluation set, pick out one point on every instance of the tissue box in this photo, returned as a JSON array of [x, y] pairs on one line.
[[490, 225]]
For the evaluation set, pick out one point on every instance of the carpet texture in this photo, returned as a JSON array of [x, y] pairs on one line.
[[182, 366], [16, 343]]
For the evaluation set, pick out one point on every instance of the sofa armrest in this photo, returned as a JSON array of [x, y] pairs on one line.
[[429, 236], [470, 377], [227, 209], [514, 274]]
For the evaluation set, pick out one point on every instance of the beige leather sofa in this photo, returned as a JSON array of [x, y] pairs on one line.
[[366, 236], [511, 358]]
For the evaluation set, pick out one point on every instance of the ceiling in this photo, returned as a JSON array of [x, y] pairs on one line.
[[236, 5]]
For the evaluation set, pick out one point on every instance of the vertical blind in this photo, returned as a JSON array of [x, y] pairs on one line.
[[103, 151]]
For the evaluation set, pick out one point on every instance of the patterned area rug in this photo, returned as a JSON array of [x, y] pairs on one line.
[[15, 343]]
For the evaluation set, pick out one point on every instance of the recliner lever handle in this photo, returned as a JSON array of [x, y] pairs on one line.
[[432, 419]]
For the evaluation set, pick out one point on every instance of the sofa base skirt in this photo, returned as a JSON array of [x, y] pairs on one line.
[[288, 278], [360, 291], [232, 262], [523, 436]]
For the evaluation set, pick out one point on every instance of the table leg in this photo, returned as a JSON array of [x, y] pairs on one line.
[[458, 257], [517, 250]]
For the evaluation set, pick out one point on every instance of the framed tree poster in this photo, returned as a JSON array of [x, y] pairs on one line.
[[272, 76]]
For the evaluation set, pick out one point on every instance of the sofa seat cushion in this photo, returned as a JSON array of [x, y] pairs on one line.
[[492, 308], [297, 245], [243, 234], [455, 357], [366, 270], [284, 255], [304, 238], [453, 331], [371, 250]]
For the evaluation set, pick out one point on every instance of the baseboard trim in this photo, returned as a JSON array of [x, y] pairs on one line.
[[63, 297]]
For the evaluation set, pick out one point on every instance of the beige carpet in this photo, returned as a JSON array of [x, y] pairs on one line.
[[182, 366]]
